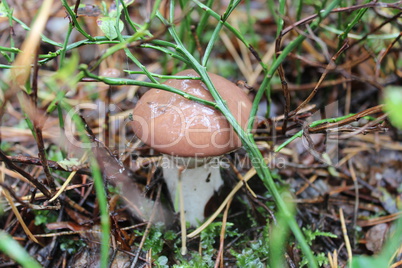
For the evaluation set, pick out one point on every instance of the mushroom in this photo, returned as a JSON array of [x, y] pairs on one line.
[[191, 136]]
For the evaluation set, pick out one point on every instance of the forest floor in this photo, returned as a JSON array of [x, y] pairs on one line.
[[78, 189]]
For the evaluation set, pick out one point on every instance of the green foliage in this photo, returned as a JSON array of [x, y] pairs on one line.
[[3, 10], [5, 146], [111, 24], [154, 240], [310, 235], [43, 217], [209, 236], [67, 70], [393, 104], [109, 27], [208, 241], [162, 262], [256, 253], [68, 164], [196, 261], [71, 246], [54, 153], [248, 258]]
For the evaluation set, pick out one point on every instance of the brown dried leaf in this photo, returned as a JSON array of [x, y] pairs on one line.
[[375, 237]]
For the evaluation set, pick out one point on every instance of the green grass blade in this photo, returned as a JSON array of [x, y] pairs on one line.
[[218, 28], [16, 252], [99, 189]]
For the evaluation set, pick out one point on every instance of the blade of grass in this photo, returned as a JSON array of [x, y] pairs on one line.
[[278, 235], [64, 49], [202, 23], [132, 24], [352, 24], [99, 188], [10, 23], [280, 22], [74, 20], [232, 5], [133, 58], [12, 249]]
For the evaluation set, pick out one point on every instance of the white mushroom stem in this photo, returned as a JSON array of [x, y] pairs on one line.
[[199, 184]]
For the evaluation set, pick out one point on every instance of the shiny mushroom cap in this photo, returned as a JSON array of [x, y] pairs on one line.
[[177, 126]]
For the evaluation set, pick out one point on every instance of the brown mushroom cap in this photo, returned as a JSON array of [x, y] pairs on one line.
[[177, 126]]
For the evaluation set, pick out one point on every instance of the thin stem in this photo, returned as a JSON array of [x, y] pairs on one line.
[[251, 147], [136, 61], [44, 38], [74, 20], [122, 44], [161, 76], [218, 28], [120, 81], [64, 50], [234, 31]]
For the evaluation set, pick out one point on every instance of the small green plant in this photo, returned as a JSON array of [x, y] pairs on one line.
[[310, 236], [156, 239], [71, 246], [110, 23], [42, 217], [256, 254]]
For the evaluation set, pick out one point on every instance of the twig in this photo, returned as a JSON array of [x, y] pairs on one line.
[[28, 176], [219, 256], [85, 231], [353, 118], [182, 214], [284, 85], [365, 128], [355, 182], [264, 206], [28, 160], [379, 220], [43, 158], [378, 65], [77, 4], [15, 210], [342, 9], [330, 66], [396, 16], [241, 178], [345, 236], [25, 204]]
